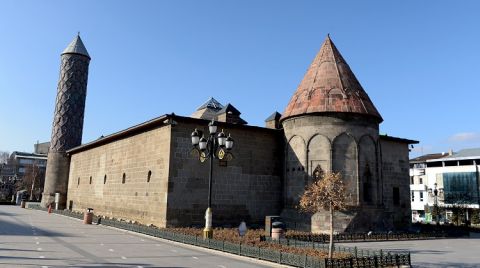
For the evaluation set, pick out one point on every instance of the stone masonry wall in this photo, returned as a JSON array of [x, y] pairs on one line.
[[345, 143], [247, 187], [331, 143], [96, 178], [395, 169]]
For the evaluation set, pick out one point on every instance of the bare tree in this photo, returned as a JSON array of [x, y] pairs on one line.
[[32, 181], [4, 155], [327, 192]]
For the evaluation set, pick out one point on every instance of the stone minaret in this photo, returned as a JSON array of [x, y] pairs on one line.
[[67, 120]]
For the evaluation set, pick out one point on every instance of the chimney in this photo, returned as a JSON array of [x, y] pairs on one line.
[[273, 121], [230, 114]]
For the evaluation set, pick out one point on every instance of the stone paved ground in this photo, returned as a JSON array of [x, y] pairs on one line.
[[31, 238], [441, 253]]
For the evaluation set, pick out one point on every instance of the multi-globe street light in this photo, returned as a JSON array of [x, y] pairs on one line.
[[435, 192], [215, 146]]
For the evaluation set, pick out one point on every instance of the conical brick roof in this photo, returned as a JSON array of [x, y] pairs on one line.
[[330, 86]]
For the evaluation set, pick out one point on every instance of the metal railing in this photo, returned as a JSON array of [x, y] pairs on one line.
[[377, 258], [365, 237]]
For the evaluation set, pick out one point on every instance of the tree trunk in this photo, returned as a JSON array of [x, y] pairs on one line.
[[330, 247]]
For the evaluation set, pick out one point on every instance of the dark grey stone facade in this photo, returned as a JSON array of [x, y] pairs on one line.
[[246, 188]]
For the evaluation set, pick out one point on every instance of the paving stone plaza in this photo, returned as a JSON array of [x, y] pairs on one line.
[[442, 253], [31, 238]]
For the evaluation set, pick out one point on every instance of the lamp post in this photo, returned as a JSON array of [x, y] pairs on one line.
[[435, 202], [435, 192], [34, 175], [215, 146]]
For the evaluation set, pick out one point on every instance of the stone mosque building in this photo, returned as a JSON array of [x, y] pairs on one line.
[[149, 174]]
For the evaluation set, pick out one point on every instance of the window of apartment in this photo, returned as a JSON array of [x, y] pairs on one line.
[[90, 179], [124, 178], [25, 161], [105, 179], [434, 164], [149, 175], [78, 181], [396, 196], [420, 180], [451, 163], [465, 162], [413, 196], [411, 180], [421, 196], [420, 165]]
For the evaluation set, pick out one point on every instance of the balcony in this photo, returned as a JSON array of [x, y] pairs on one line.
[[418, 187], [417, 171]]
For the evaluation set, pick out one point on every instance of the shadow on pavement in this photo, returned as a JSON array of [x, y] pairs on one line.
[[35, 262], [429, 251], [3, 213], [112, 265], [15, 249], [445, 265], [24, 229]]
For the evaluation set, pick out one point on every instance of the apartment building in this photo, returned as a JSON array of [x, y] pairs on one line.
[[446, 181]]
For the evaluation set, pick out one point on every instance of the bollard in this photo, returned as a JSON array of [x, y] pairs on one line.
[[22, 204], [277, 231], [57, 200], [50, 208], [88, 216]]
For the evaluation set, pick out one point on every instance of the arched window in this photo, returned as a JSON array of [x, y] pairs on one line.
[[123, 178], [149, 175], [367, 178]]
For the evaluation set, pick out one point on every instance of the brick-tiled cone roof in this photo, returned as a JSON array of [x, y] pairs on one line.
[[330, 86]]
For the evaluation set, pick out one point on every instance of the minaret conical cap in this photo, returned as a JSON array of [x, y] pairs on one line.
[[76, 47], [330, 86]]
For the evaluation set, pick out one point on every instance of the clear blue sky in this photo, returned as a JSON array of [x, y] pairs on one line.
[[417, 60]]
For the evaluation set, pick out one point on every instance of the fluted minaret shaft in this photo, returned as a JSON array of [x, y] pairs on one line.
[[67, 124]]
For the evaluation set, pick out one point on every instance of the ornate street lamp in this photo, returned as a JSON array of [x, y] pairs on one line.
[[435, 193], [215, 146]]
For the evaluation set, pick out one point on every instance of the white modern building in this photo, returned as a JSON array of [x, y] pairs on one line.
[[447, 180], [419, 185]]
